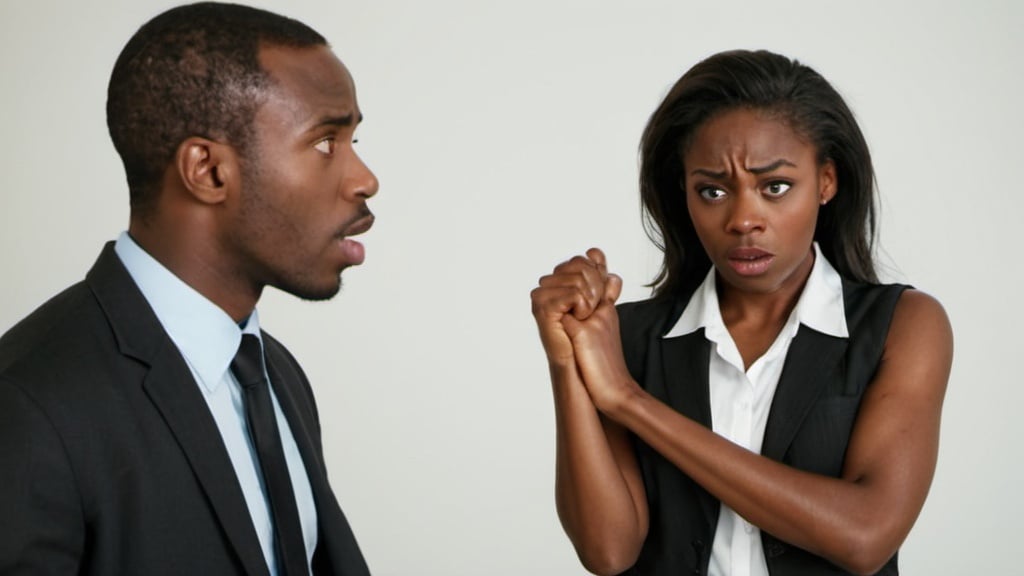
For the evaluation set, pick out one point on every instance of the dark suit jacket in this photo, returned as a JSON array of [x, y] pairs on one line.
[[110, 462], [809, 424]]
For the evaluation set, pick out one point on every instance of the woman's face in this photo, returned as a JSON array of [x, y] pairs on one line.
[[753, 188]]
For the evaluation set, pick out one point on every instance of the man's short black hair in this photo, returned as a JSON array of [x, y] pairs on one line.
[[191, 71]]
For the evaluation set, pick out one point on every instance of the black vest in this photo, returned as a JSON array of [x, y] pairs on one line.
[[809, 425]]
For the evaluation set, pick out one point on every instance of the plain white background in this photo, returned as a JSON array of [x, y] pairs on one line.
[[505, 136]]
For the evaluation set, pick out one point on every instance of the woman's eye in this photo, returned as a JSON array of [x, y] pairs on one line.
[[777, 188], [325, 146], [710, 193]]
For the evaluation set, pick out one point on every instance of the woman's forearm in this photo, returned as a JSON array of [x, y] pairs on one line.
[[598, 489]]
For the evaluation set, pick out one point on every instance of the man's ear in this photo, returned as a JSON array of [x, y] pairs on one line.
[[209, 170]]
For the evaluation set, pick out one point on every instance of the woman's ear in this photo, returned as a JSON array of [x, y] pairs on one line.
[[208, 169], [827, 182]]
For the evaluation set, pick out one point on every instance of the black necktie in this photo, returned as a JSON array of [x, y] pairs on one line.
[[259, 410]]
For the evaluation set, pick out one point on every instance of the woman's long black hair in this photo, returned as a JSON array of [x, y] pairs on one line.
[[794, 93]]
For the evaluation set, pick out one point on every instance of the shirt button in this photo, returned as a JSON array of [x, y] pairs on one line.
[[748, 527]]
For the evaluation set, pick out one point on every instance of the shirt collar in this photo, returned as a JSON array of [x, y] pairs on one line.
[[205, 335], [820, 305]]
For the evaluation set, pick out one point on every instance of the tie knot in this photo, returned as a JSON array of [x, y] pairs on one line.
[[248, 363]]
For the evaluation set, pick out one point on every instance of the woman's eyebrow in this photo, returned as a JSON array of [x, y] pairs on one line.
[[769, 167], [754, 170]]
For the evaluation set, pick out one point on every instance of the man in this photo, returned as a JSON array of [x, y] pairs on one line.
[[138, 434]]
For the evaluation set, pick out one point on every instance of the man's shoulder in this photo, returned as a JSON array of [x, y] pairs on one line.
[[53, 327]]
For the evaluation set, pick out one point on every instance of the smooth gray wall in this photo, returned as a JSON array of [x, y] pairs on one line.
[[505, 137]]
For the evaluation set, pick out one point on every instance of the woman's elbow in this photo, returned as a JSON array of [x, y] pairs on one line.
[[610, 552], [867, 552], [607, 561]]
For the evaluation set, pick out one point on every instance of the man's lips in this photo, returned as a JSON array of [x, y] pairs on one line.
[[354, 252], [357, 226]]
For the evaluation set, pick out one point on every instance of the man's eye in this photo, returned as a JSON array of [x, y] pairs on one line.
[[325, 146], [710, 193], [777, 188]]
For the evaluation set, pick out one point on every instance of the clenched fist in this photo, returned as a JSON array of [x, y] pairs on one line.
[[574, 307]]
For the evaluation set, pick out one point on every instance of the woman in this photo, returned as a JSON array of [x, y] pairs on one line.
[[772, 409]]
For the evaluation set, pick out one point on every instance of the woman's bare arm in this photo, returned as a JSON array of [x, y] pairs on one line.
[[598, 489], [856, 521]]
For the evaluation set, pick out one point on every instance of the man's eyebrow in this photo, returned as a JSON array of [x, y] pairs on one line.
[[754, 170], [339, 121]]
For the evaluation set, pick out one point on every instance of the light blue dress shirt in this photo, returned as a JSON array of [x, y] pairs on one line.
[[208, 339]]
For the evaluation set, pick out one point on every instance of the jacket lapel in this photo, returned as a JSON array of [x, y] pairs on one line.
[[811, 353], [284, 381], [684, 386], [685, 360], [337, 551], [173, 390]]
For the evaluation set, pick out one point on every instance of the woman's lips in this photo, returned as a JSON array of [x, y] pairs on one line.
[[750, 261]]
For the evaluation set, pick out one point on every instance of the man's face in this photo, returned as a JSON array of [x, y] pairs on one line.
[[304, 189]]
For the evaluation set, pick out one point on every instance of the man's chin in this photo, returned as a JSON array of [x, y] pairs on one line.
[[313, 293]]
